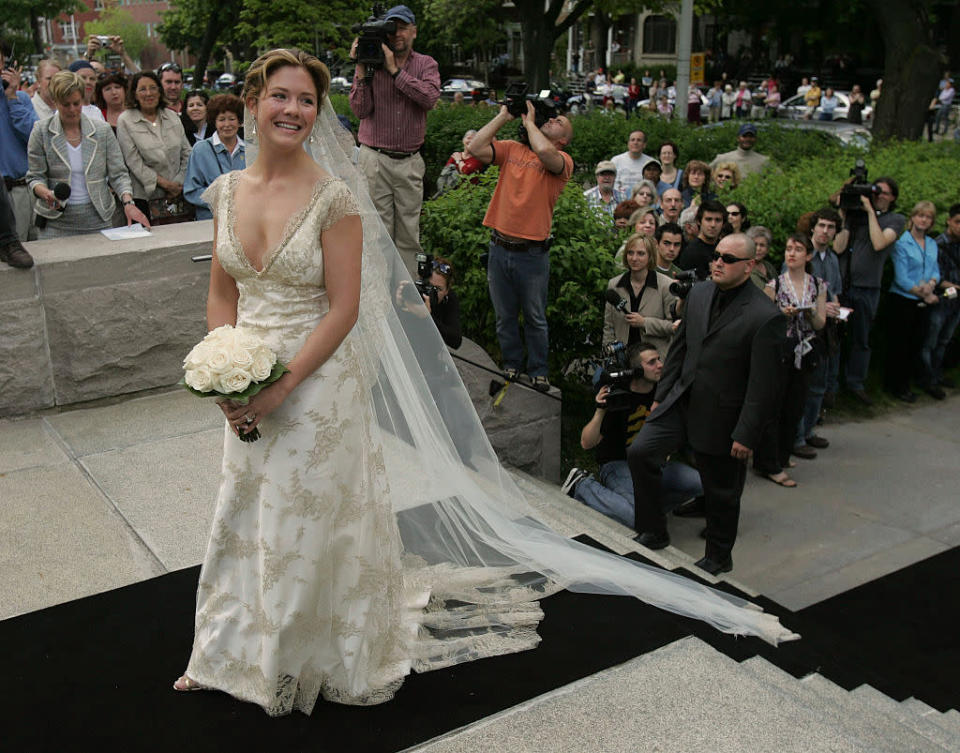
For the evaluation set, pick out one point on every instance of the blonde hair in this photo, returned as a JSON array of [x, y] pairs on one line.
[[734, 170], [48, 63], [649, 245], [65, 83], [922, 207], [269, 62], [641, 213]]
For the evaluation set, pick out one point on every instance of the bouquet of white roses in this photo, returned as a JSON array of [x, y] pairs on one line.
[[233, 363]]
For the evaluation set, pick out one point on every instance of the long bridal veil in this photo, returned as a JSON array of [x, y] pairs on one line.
[[468, 536]]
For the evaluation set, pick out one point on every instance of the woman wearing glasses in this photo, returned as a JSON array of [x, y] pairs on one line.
[[803, 299], [70, 148], [154, 147]]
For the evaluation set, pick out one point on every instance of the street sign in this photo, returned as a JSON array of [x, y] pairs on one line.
[[698, 69]]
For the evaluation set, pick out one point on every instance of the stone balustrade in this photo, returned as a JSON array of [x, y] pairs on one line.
[[96, 318]]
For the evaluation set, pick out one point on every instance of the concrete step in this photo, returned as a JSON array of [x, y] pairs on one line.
[[684, 698], [871, 698], [931, 722], [873, 730], [950, 720]]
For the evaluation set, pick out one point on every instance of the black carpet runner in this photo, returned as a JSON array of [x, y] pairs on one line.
[[98, 671]]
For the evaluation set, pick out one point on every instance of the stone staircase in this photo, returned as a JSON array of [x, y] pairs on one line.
[[688, 697]]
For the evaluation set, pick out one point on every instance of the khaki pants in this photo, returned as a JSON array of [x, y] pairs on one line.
[[22, 200], [396, 187]]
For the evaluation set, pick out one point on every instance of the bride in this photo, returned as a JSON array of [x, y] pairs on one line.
[[366, 534]]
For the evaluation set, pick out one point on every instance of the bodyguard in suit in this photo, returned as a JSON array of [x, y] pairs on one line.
[[72, 149], [716, 393]]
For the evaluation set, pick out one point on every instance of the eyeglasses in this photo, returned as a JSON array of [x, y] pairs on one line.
[[727, 258], [169, 67], [444, 269], [733, 214]]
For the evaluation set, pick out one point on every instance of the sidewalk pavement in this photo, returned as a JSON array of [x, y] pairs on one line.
[[96, 498]]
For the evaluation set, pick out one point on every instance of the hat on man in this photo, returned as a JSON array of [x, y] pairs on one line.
[[747, 128], [401, 13], [79, 65], [605, 166]]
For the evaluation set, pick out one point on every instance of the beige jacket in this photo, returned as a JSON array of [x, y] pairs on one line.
[[151, 150], [656, 305], [103, 168]]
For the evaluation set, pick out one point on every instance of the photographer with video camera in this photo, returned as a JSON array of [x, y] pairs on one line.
[[623, 402], [533, 173], [871, 227], [393, 89]]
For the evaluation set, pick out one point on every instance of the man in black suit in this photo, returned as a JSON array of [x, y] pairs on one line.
[[716, 393]]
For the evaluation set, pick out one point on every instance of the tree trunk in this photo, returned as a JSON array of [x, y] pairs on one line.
[[910, 69], [540, 31], [35, 33], [210, 35]]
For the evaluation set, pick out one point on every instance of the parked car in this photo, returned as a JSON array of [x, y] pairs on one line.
[[339, 85], [704, 106], [794, 108], [470, 88], [225, 82]]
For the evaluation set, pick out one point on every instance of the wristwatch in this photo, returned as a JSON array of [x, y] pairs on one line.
[[128, 202]]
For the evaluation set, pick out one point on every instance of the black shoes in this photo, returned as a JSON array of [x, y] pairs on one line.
[[715, 567], [541, 384], [935, 392], [653, 540], [906, 396], [862, 396], [819, 442], [692, 508], [804, 451], [14, 254]]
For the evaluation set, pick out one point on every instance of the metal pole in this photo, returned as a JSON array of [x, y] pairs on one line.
[[684, 48]]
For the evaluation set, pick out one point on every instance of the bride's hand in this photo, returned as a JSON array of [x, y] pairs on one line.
[[261, 405]]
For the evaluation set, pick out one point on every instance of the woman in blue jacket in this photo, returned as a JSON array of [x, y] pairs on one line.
[[915, 277], [222, 153]]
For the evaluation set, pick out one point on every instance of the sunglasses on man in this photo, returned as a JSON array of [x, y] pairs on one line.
[[727, 258], [169, 67]]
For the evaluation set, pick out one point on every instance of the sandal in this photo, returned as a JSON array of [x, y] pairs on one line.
[[511, 375], [184, 684], [782, 479]]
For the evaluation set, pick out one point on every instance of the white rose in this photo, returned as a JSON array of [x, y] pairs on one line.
[[262, 366], [242, 359], [217, 384], [235, 380], [220, 333], [199, 378], [247, 340], [219, 361], [197, 357]]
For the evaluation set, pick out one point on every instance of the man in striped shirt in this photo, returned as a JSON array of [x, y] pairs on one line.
[[392, 105]]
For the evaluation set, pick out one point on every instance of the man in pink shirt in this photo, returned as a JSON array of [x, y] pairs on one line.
[[392, 104]]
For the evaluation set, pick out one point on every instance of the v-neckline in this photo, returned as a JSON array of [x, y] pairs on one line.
[[290, 227]]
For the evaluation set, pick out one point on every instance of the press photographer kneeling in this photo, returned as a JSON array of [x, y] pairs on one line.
[[433, 287], [623, 403]]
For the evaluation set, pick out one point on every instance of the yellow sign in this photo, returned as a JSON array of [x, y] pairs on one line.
[[698, 69]]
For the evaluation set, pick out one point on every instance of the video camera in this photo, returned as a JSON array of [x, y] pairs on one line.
[[371, 34], [683, 283], [421, 284], [860, 186], [516, 97], [615, 371]]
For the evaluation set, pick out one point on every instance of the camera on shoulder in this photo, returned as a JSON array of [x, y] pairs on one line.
[[371, 34], [860, 186], [515, 98], [615, 371], [683, 283]]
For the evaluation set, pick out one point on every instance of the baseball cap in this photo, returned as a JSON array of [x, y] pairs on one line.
[[605, 166], [747, 128], [401, 13], [79, 65]]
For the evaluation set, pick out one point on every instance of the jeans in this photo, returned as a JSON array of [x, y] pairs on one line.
[[518, 282], [613, 493], [823, 379], [943, 321], [8, 221], [864, 302]]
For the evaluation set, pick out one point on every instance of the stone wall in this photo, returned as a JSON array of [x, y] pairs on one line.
[[96, 318]]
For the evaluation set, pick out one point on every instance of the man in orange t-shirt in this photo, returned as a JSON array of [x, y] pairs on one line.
[[532, 177]]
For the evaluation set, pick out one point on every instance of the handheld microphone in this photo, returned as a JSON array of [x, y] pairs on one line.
[[615, 300], [62, 192]]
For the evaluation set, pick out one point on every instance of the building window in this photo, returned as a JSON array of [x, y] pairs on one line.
[[66, 32], [659, 35]]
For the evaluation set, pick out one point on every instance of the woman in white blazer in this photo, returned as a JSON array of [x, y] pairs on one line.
[[153, 142], [70, 148]]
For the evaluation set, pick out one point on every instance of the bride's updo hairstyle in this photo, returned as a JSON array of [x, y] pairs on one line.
[[269, 62]]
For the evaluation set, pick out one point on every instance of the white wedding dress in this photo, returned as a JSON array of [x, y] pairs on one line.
[[366, 534]]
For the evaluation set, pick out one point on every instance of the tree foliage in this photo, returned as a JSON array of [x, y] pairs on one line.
[[22, 17], [301, 23], [117, 21]]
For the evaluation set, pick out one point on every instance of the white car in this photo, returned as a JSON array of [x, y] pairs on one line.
[[794, 108]]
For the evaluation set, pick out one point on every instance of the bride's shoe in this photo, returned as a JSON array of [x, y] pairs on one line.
[[184, 684]]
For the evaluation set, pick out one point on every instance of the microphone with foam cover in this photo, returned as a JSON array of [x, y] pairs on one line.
[[615, 300], [62, 192]]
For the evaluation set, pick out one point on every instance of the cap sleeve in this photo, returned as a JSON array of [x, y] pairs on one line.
[[214, 192], [340, 203]]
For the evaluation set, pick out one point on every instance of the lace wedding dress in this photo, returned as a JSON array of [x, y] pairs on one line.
[[368, 534]]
